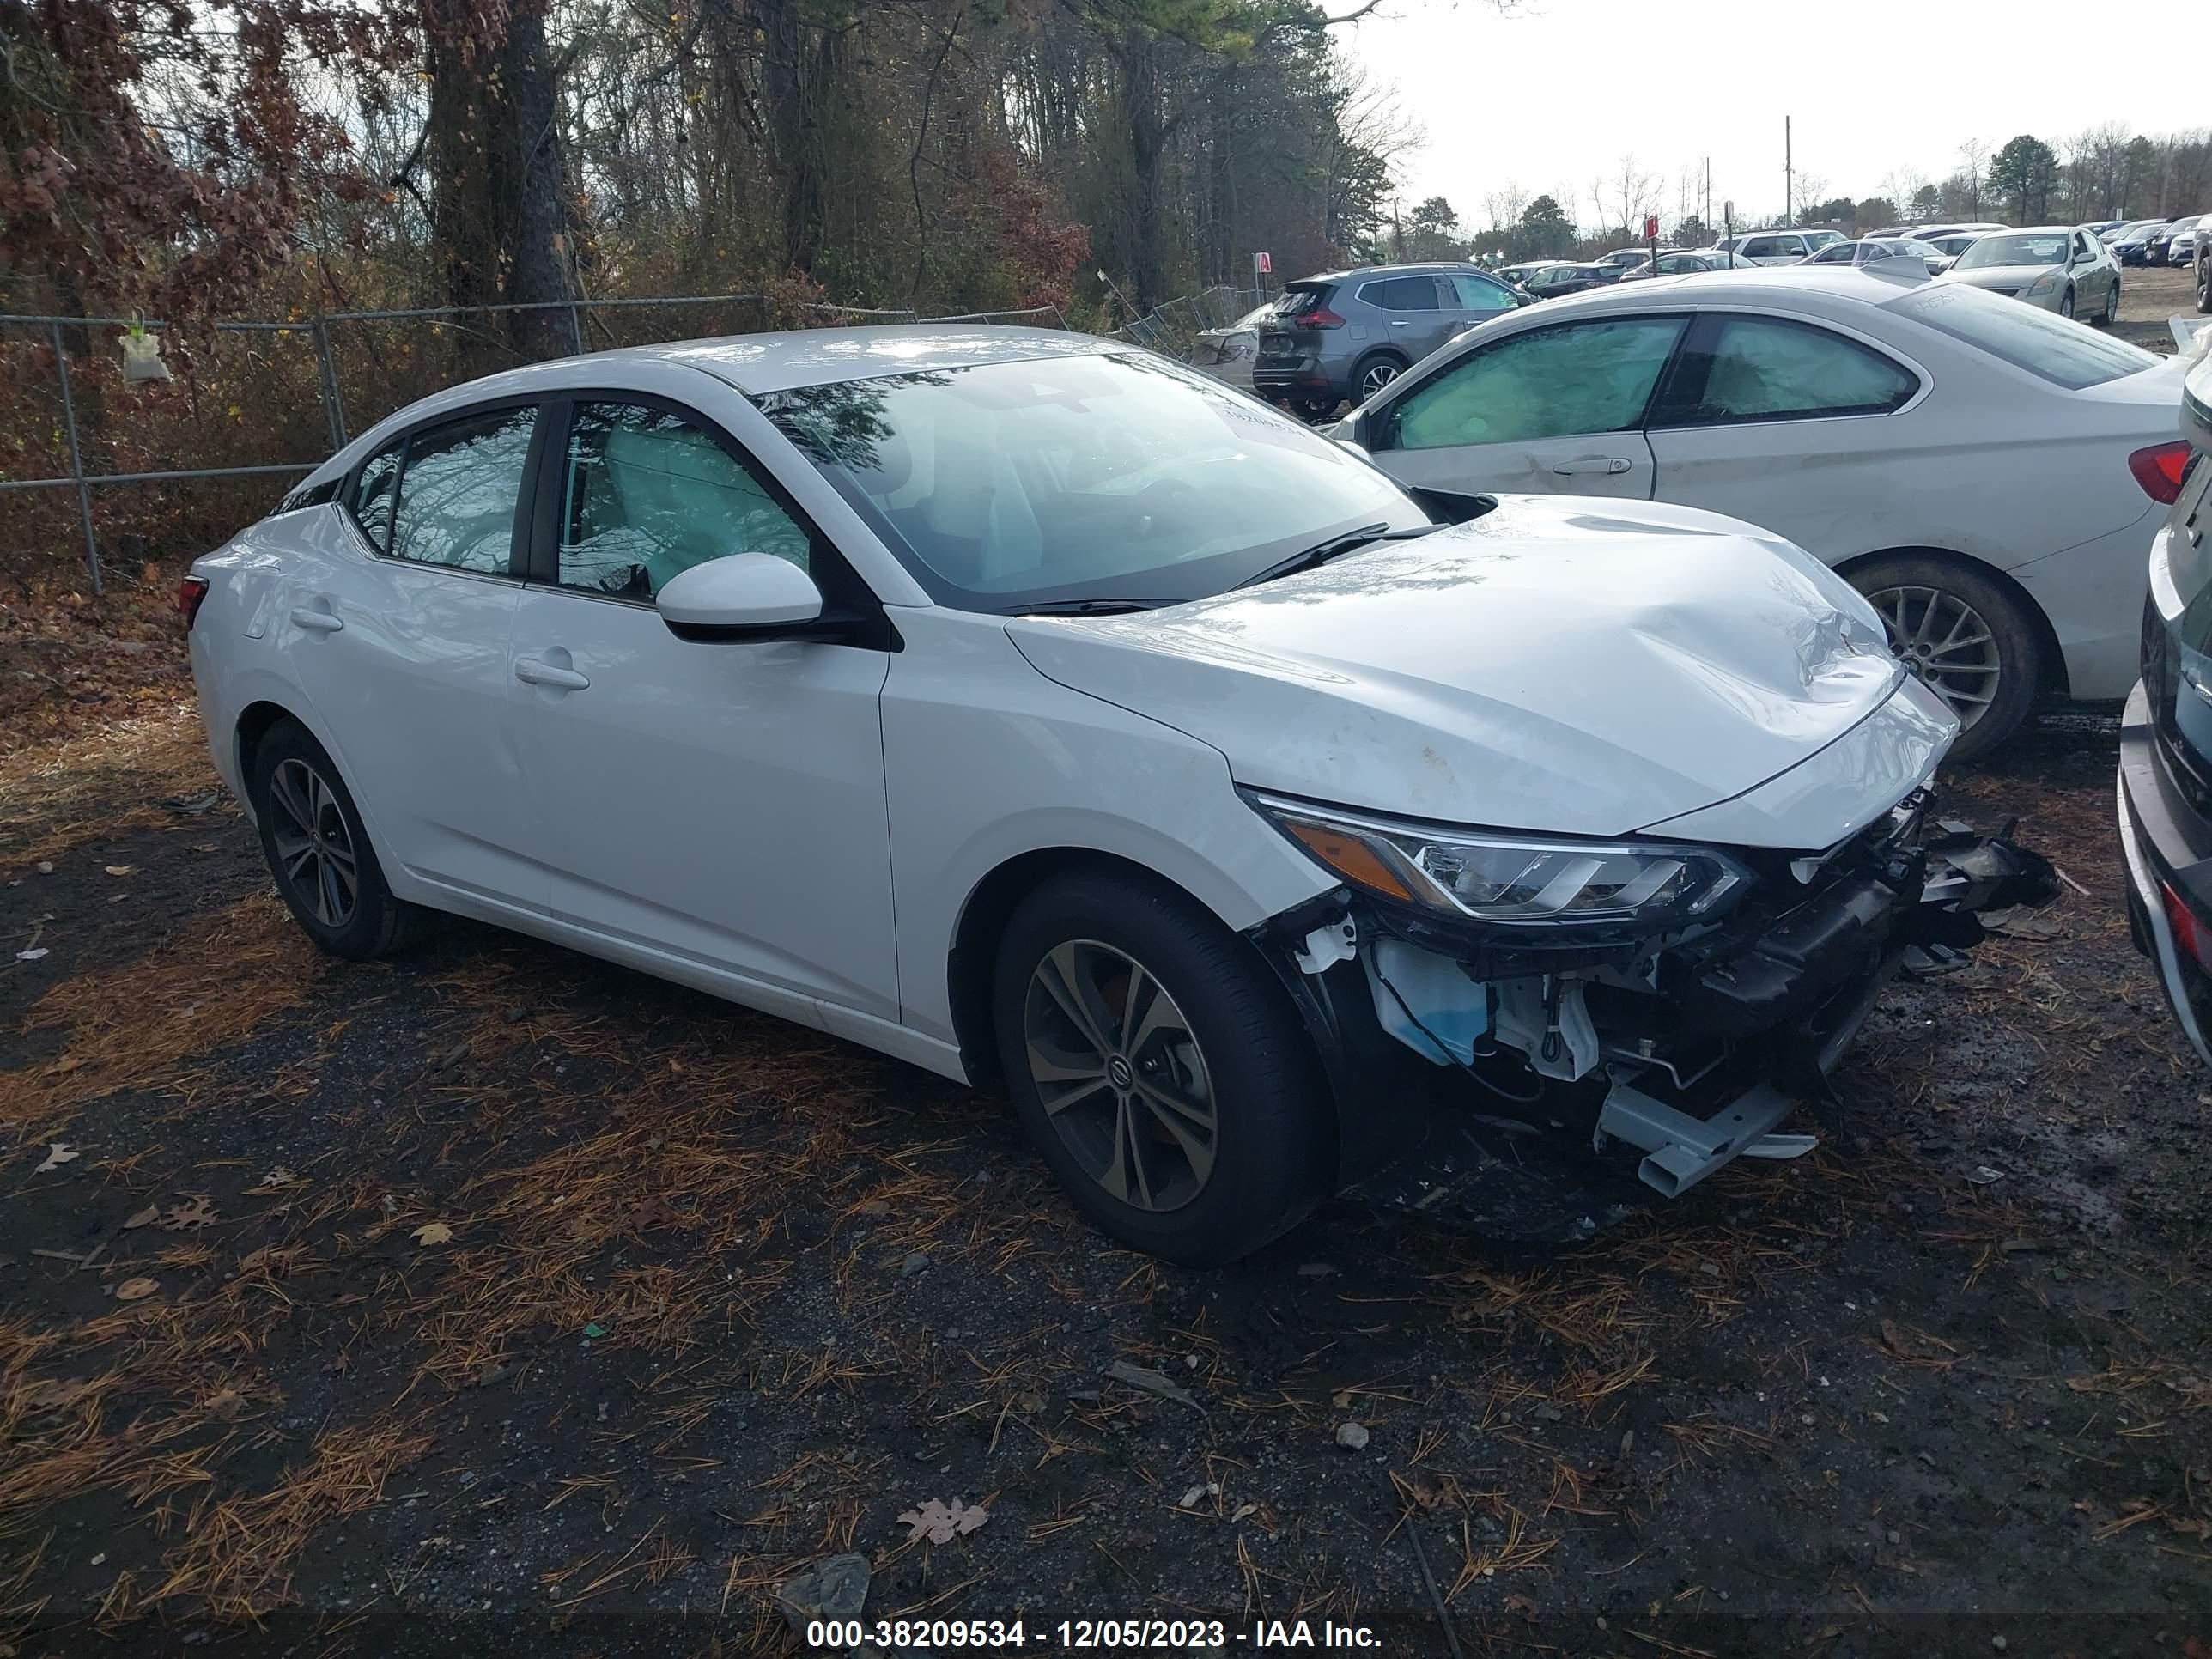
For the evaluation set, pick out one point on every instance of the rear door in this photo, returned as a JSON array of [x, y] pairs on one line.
[[398, 633], [1554, 411], [1412, 312], [1784, 423]]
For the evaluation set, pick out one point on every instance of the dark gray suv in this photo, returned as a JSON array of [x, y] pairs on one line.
[[1345, 335]]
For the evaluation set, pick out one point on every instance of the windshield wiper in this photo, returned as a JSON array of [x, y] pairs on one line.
[[1085, 607], [1350, 542]]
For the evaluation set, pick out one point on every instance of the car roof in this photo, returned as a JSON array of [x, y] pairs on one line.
[[1743, 285], [1411, 268]]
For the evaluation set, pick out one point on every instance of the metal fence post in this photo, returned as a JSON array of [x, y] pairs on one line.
[[77, 460], [576, 326], [327, 369]]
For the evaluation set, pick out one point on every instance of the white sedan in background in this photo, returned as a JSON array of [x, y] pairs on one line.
[[1030, 707], [1989, 475]]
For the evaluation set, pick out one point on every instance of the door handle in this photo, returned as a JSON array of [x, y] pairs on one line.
[[531, 671], [1609, 465], [316, 622], [1398, 322]]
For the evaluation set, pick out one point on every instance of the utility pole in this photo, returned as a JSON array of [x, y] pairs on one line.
[[1789, 178], [1705, 213]]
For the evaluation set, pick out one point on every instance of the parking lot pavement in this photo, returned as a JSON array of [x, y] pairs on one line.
[[2148, 298], [497, 1299]]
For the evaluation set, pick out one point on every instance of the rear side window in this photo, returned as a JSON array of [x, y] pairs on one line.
[[1548, 383], [1761, 247], [2047, 345], [1762, 368], [1403, 294], [459, 484]]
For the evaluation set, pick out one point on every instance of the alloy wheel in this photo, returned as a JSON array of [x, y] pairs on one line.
[[2066, 303], [1377, 376], [314, 848], [1120, 1075], [1946, 643], [2112, 304]]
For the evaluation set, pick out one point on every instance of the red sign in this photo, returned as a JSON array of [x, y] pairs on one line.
[[1650, 227], [1266, 264]]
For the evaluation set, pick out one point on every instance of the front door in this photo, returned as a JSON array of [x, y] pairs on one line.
[[396, 622], [1549, 410], [718, 804]]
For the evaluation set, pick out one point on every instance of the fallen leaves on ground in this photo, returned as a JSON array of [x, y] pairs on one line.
[[434, 1232], [135, 1289], [197, 1213], [941, 1524]]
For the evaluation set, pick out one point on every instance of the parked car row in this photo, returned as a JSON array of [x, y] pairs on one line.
[[1345, 335]]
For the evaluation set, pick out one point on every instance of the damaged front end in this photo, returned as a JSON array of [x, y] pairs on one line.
[[1601, 1021]]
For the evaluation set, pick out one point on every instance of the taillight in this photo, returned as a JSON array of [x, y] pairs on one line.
[[2159, 469], [1319, 316], [2188, 934], [190, 593]]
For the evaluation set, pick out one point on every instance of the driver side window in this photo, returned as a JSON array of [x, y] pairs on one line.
[[646, 494], [1548, 383]]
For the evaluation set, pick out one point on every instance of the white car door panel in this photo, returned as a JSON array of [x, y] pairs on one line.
[[1546, 410], [405, 663], [721, 802]]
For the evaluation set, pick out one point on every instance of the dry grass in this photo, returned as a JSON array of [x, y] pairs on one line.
[[130, 1027], [99, 782]]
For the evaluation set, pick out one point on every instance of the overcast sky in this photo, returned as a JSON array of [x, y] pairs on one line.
[[1553, 93]]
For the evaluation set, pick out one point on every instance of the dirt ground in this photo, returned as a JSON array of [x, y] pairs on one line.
[[2147, 298], [496, 1301]]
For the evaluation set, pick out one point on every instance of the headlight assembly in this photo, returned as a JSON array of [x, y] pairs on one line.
[[2044, 283], [1520, 881]]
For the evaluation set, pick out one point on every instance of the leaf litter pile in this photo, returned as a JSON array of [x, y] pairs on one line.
[[496, 1289]]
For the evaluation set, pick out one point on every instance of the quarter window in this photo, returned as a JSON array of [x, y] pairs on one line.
[[458, 486], [372, 492], [646, 493], [1548, 383], [1762, 368]]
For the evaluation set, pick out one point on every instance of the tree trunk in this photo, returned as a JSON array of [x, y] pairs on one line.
[[799, 61]]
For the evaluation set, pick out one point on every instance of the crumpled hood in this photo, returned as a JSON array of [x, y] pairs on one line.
[[1576, 666]]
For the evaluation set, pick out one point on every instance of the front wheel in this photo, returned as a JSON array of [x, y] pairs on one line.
[[2066, 303], [1960, 632], [1158, 1070], [2204, 289], [2112, 304]]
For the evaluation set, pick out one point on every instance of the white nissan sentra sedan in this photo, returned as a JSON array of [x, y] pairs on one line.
[[1034, 708], [1989, 475]]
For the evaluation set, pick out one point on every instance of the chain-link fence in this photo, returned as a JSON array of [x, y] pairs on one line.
[[222, 420], [1173, 328]]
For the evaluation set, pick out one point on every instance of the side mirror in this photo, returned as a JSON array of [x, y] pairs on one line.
[[745, 596]]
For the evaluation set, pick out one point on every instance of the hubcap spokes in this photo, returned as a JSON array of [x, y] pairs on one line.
[[1378, 377], [1120, 1076], [313, 848], [1945, 642]]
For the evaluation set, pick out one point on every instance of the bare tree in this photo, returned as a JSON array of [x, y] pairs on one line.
[[1634, 194], [1974, 159]]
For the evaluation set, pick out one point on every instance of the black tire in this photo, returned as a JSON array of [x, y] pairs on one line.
[[2112, 311], [2066, 304], [1314, 410], [1380, 366], [2015, 642], [2204, 287], [295, 788], [1267, 1162]]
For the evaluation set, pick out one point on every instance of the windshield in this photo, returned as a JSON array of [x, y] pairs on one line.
[[2047, 248], [2041, 342], [1115, 476]]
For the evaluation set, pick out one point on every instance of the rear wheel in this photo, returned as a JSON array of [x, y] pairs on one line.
[[1373, 374], [1158, 1071], [1960, 632], [2205, 287], [319, 852]]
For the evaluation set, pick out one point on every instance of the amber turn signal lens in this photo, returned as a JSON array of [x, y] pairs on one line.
[[1351, 857]]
